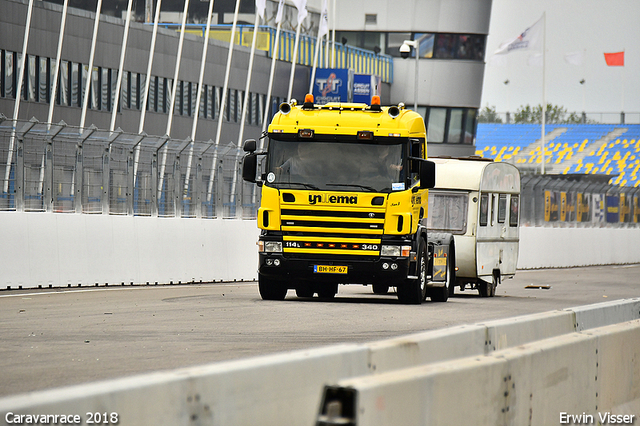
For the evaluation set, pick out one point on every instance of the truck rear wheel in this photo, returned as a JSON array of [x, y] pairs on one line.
[[271, 289], [414, 291]]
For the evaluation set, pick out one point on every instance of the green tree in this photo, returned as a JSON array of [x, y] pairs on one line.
[[554, 114], [489, 115]]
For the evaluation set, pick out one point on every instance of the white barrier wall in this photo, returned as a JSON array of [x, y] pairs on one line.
[[47, 249], [566, 247], [60, 250]]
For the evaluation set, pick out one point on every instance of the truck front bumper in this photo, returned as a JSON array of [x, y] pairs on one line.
[[387, 270]]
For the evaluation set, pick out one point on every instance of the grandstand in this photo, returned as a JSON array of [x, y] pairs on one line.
[[603, 149]]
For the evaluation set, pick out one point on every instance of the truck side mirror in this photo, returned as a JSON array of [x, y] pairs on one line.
[[249, 145], [250, 167], [427, 174]]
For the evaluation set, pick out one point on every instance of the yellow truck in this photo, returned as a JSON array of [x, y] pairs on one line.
[[345, 201]]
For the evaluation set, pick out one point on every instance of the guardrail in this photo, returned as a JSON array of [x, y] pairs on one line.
[[525, 370]]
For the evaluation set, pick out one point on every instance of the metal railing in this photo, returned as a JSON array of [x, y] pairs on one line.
[[360, 60], [64, 169]]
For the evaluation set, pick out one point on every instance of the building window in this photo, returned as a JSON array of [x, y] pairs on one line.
[[152, 100], [445, 46], [134, 90], [217, 101], [436, 125], [426, 41], [471, 47], [30, 81], [394, 41], [75, 77], [450, 125], [370, 18], [105, 92], [454, 132], [470, 126], [63, 84], [44, 80]]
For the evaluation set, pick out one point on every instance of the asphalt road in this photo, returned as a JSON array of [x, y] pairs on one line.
[[51, 338]]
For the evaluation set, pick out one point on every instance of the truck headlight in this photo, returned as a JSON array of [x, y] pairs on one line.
[[390, 251], [395, 251], [273, 246]]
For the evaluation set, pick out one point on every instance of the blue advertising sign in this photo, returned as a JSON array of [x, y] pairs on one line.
[[331, 85], [364, 87], [613, 208]]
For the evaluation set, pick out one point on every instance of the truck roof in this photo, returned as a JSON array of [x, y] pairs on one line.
[[348, 119]]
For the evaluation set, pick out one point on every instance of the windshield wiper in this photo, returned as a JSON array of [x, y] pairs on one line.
[[354, 184], [306, 185]]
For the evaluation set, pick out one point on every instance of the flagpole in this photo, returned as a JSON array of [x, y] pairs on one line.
[[622, 84], [315, 63], [333, 34], [223, 101], [323, 29], [293, 61], [544, 89], [16, 105], [245, 104], [271, 75]]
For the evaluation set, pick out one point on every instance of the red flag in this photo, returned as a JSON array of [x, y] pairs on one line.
[[614, 59]]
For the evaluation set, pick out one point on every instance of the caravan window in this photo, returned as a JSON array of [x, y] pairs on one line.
[[448, 212], [502, 208], [513, 211], [484, 209]]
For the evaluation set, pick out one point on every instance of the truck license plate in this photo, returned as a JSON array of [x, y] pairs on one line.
[[330, 269]]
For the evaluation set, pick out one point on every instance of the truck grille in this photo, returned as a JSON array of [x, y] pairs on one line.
[[355, 232]]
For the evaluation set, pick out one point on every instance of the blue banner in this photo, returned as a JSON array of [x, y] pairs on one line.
[[331, 85], [613, 208], [365, 87]]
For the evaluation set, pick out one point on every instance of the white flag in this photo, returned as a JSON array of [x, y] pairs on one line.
[[574, 58], [261, 5], [324, 21], [280, 11], [301, 5], [529, 40]]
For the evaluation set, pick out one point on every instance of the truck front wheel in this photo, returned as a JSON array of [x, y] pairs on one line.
[[414, 291], [271, 289]]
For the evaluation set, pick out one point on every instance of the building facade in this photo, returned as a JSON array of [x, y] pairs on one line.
[[451, 35]]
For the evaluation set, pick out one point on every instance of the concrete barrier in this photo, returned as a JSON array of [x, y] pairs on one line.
[[286, 388], [584, 375]]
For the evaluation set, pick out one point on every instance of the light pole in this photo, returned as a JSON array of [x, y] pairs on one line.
[[405, 51]]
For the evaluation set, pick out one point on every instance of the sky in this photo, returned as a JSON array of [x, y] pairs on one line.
[[592, 27]]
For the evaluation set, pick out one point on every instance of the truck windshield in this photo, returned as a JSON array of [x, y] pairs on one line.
[[333, 166], [447, 212]]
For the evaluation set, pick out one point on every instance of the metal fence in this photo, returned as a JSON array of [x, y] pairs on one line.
[[65, 169], [577, 201]]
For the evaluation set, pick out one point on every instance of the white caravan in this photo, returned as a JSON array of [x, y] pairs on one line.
[[478, 202]]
